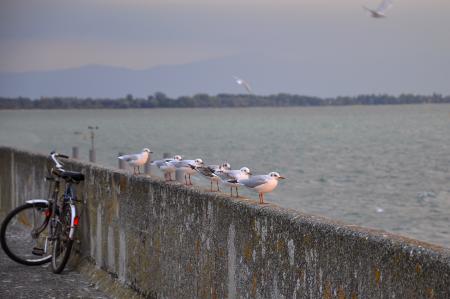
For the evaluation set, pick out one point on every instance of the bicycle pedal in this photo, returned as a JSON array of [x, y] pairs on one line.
[[38, 251]]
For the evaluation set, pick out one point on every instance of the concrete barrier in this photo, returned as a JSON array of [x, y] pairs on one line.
[[169, 241]]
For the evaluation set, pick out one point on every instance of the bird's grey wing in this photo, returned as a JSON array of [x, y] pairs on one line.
[[206, 171], [178, 164], [158, 163], [369, 9], [129, 157], [223, 175], [385, 5], [253, 181], [247, 87], [175, 163]]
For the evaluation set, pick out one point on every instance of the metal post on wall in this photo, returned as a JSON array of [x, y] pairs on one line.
[[122, 164], [75, 152], [92, 156], [179, 176]]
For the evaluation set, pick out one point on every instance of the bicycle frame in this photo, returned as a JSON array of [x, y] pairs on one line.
[[70, 197]]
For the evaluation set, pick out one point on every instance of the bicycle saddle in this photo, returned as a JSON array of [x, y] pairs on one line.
[[71, 176]]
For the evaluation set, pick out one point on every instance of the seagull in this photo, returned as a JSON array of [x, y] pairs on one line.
[[136, 160], [211, 172], [166, 167], [380, 12], [379, 210], [231, 178], [186, 167], [243, 83], [261, 183]]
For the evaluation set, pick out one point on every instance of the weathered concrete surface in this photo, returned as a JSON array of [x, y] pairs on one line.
[[168, 241]]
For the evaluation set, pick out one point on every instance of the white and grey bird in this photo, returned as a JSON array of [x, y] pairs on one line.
[[261, 183], [243, 83], [231, 177], [380, 11], [166, 167], [186, 167], [136, 160], [211, 172]]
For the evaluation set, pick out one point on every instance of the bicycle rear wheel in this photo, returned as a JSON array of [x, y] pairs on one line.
[[23, 234], [62, 244]]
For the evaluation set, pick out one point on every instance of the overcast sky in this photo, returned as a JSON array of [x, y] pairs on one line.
[[138, 34]]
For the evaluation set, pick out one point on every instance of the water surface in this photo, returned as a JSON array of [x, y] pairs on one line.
[[385, 167]]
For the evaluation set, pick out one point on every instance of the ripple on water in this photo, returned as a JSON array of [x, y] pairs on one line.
[[341, 162]]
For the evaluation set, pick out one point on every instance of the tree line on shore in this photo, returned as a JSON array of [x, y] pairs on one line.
[[160, 100]]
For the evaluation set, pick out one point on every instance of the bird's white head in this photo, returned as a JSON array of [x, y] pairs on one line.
[[246, 170], [198, 161], [276, 175], [177, 157], [225, 166], [147, 150]]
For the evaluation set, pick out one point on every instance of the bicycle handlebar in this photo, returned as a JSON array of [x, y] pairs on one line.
[[58, 164]]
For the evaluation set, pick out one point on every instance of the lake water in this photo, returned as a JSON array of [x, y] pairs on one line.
[[384, 167]]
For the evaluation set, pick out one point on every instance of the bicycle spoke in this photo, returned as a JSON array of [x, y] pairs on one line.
[[24, 234], [62, 244]]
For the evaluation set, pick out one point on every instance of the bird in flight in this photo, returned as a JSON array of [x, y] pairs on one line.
[[380, 11], [243, 83]]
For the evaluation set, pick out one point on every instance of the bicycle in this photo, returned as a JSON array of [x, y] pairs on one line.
[[41, 230]]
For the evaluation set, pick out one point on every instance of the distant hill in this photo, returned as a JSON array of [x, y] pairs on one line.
[[97, 81], [266, 75]]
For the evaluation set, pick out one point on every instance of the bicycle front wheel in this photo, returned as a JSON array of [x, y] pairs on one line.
[[23, 234], [62, 243]]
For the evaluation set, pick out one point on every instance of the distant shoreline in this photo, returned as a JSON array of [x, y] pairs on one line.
[[160, 100]]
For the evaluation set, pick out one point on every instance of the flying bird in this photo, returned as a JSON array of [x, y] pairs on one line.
[[166, 167], [136, 160], [380, 11], [243, 83], [261, 183]]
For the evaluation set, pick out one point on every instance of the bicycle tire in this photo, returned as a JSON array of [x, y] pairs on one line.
[[16, 242], [62, 244]]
